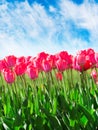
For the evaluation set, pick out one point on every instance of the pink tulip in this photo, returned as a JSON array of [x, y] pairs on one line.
[[39, 59], [70, 61], [42, 56], [96, 58], [37, 63], [81, 59], [20, 69], [63, 55], [84, 60], [94, 74], [3, 64], [91, 53], [52, 59], [27, 59], [46, 65], [9, 76], [61, 65], [75, 64], [20, 59], [32, 72], [10, 60]]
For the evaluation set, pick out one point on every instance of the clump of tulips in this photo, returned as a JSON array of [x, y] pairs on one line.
[[12, 66], [49, 91]]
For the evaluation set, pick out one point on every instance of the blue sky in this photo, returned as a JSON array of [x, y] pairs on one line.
[[27, 28]]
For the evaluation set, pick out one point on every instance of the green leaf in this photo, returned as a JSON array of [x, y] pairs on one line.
[[54, 105], [63, 104], [86, 112], [66, 122], [88, 115], [72, 123], [7, 105], [30, 127], [83, 121], [8, 123], [55, 123]]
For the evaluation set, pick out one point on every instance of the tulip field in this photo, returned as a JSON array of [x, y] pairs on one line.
[[49, 92]]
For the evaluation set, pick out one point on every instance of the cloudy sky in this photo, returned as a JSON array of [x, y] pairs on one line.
[[28, 27]]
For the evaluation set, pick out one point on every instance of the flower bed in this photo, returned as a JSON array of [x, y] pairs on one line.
[[49, 92]]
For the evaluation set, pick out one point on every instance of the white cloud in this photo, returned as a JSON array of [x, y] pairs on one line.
[[28, 30], [52, 9], [84, 15]]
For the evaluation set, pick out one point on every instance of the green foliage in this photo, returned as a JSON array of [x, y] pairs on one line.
[[48, 104]]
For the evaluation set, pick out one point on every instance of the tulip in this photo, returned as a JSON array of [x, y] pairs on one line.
[[70, 61], [10, 60], [81, 59], [42, 55], [37, 63], [91, 53], [75, 64], [32, 72], [84, 60], [96, 58], [59, 76], [27, 59], [61, 65], [9, 76], [46, 65], [94, 74], [63, 55], [20, 60], [3, 64], [20, 69], [52, 59]]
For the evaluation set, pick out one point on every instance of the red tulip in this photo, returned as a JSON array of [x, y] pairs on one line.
[[63, 55], [59, 76], [52, 59], [38, 60], [11, 60], [37, 63], [85, 60], [20, 69], [91, 53], [61, 65], [27, 59], [9, 76], [3, 64], [70, 61], [42, 56], [46, 65], [75, 64], [81, 59], [20, 60], [32, 72]]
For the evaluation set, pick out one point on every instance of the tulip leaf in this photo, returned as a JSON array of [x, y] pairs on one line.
[[55, 123], [83, 121], [72, 123]]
